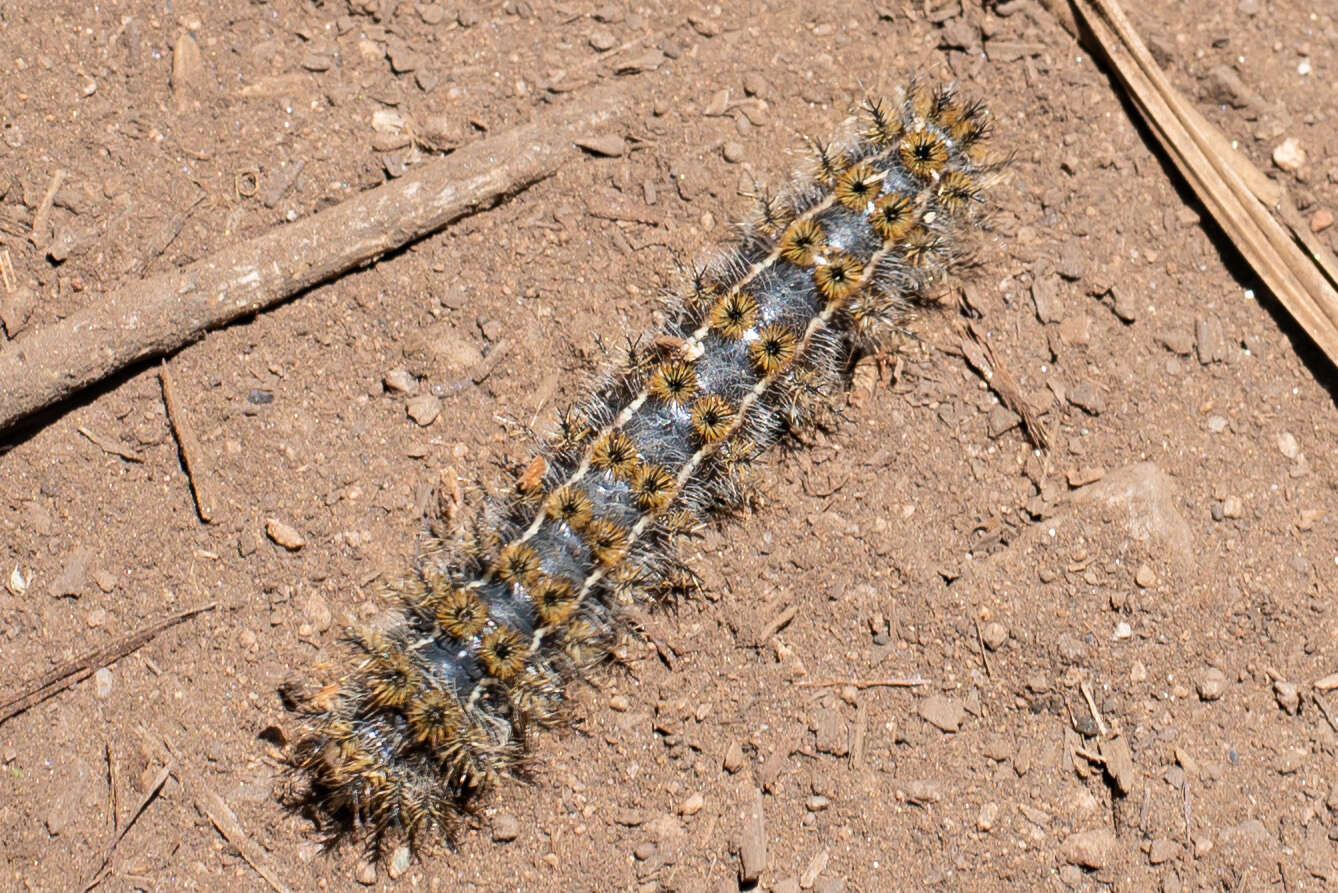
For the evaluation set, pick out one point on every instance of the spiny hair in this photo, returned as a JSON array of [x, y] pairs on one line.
[[448, 693]]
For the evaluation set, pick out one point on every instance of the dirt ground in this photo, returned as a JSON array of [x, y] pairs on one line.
[[1120, 636]]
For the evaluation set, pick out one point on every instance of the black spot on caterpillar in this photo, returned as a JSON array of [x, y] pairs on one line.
[[449, 694]]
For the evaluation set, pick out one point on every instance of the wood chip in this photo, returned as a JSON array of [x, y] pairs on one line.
[[752, 837], [1119, 763], [109, 446], [284, 534], [225, 820], [41, 230], [779, 622]]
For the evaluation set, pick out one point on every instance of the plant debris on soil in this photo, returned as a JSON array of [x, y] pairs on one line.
[[936, 656]]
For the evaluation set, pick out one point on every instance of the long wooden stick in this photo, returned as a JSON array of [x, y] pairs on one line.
[[158, 315]]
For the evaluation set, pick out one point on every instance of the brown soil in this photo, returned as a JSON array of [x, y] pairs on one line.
[[923, 538]]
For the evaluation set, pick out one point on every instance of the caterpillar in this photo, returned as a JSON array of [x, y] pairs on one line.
[[448, 694]]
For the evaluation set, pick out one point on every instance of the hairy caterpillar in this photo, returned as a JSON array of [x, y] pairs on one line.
[[447, 696]]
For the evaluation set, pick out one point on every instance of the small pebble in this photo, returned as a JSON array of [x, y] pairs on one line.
[[505, 828], [1289, 155], [1212, 684], [718, 104], [1119, 762], [943, 713], [401, 381], [998, 748], [1163, 849], [317, 612], [1322, 220], [97, 618], [1087, 397], [754, 84], [1216, 424], [994, 634], [1287, 445], [366, 874], [1144, 577], [602, 39], [692, 805], [1070, 648], [989, 814], [1177, 342], [1071, 265], [1210, 340], [1232, 507], [423, 409], [399, 862], [1076, 330], [620, 703], [1122, 631], [1081, 477], [1288, 696], [815, 868], [609, 146], [102, 682], [1290, 761], [284, 534], [924, 790], [1185, 760], [1125, 306], [1090, 849], [734, 757], [432, 14], [733, 152], [402, 58]]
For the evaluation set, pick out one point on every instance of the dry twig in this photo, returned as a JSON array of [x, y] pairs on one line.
[[192, 455], [984, 652], [910, 682], [210, 804], [152, 794], [160, 314], [1091, 707], [225, 820], [976, 348], [41, 232], [1237, 193], [108, 445], [67, 674]]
